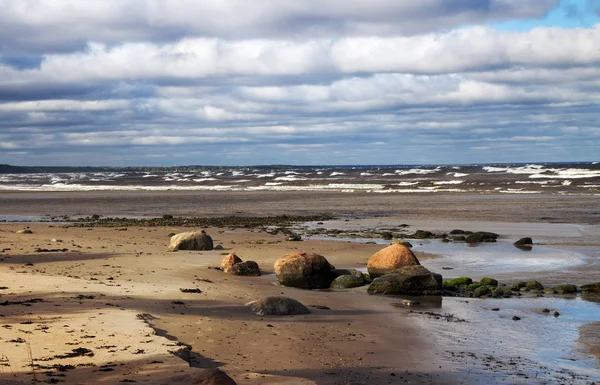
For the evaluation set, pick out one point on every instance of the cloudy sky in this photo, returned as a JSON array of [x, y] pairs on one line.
[[238, 82]]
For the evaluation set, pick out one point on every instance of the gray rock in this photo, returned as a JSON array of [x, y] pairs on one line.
[[408, 280], [277, 306], [348, 281], [197, 240]]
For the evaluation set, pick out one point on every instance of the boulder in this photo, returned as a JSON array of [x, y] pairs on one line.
[[481, 291], [248, 269], [451, 284], [421, 234], [473, 286], [348, 281], [518, 286], [481, 236], [488, 281], [201, 377], [389, 259], [304, 270], [592, 288], [277, 306], [565, 289], [408, 280], [534, 285], [197, 240], [228, 261], [524, 241]]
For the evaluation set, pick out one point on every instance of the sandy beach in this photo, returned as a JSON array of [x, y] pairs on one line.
[[109, 307]]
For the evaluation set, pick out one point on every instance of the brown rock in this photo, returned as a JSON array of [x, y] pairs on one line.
[[229, 261], [248, 269], [390, 259], [202, 377], [304, 270]]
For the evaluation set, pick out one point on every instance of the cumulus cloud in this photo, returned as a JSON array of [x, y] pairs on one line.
[[149, 81], [65, 25]]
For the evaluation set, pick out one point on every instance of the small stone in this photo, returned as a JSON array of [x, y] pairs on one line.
[[515, 318], [546, 311], [496, 309], [556, 314]]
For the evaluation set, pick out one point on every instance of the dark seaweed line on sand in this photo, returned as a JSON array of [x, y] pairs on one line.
[[229, 221]]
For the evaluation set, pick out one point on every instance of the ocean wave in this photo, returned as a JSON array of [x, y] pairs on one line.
[[449, 182]]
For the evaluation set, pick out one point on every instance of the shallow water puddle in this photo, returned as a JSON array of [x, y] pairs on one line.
[[538, 348]]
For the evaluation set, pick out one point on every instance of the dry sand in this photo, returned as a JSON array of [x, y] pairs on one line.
[[117, 294]]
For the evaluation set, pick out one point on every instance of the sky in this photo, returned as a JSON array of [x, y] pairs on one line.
[[300, 82]]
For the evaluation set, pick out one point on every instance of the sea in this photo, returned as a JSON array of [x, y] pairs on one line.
[[553, 178]]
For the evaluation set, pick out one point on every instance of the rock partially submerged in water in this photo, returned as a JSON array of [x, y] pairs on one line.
[[486, 281], [197, 240], [408, 280], [304, 270], [457, 283], [390, 259], [565, 289], [592, 288], [524, 243], [481, 236], [277, 306]]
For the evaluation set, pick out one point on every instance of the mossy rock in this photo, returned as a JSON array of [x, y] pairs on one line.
[[534, 285], [489, 281], [592, 288], [457, 232], [565, 289], [473, 286], [518, 286], [481, 236], [457, 282], [497, 292], [367, 278], [460, 238], [482, 291], [348, 281], [422, 234]]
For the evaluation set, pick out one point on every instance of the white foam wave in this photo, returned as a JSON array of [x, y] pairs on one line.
[[290, 178], [442, 182], [336, 173], [270, 175], [569, 173], [418, 171]]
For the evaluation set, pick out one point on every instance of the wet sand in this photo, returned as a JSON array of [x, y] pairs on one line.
[[117, 293], [584, 209]]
